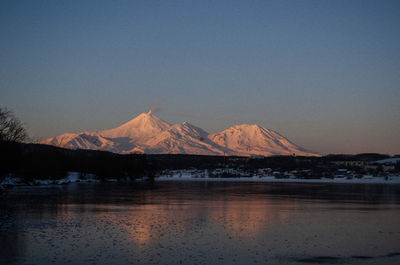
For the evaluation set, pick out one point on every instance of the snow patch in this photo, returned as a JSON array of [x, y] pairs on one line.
[[72, 177], [392, 160]]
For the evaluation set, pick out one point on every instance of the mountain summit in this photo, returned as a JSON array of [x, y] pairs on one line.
[[149, 134], [143, 127]]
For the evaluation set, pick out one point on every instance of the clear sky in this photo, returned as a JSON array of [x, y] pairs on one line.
[[325, 74]]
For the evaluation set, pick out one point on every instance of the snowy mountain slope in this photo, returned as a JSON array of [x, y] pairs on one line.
[[149, 134], [85, 140], [248, 140], [183, 138]]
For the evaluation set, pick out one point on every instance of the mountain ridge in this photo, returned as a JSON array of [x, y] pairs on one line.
[[149, 134]]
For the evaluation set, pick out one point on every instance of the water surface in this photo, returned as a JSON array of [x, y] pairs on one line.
[[201, 223]]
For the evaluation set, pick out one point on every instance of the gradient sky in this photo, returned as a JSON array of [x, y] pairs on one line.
[[325, 74]]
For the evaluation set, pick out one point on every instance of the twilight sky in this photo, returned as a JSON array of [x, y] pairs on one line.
[[325, 74]]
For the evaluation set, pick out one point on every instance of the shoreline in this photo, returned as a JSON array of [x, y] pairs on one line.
[[73, 177], [376, 180]]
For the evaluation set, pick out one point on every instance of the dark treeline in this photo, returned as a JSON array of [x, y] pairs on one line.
[[35, 161], [176, 161]]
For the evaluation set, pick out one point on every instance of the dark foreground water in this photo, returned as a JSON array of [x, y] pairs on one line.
[[201, 223]]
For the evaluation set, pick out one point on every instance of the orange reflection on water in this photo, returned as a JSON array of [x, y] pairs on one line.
[[148, 223], [247, 218]]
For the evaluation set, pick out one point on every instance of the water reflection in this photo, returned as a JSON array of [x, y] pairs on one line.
[[203, 223], [12, 242], [248, 218]]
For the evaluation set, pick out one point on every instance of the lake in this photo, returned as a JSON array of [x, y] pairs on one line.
[[201, 223]]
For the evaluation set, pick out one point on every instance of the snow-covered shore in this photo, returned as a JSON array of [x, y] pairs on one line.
[[375, 180], [204, 175], [71, 177], [195, 175]]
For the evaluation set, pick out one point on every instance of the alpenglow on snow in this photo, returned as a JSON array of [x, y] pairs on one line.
[[149, 134]]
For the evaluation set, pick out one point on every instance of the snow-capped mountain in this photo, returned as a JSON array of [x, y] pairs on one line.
[[84, 140], [149, 134], [246, 140]]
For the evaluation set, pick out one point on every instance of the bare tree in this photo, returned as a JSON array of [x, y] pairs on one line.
[[11, 128]]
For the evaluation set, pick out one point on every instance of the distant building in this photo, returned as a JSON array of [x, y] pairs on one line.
[[352, 163], [257, 157], [387, 167]]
